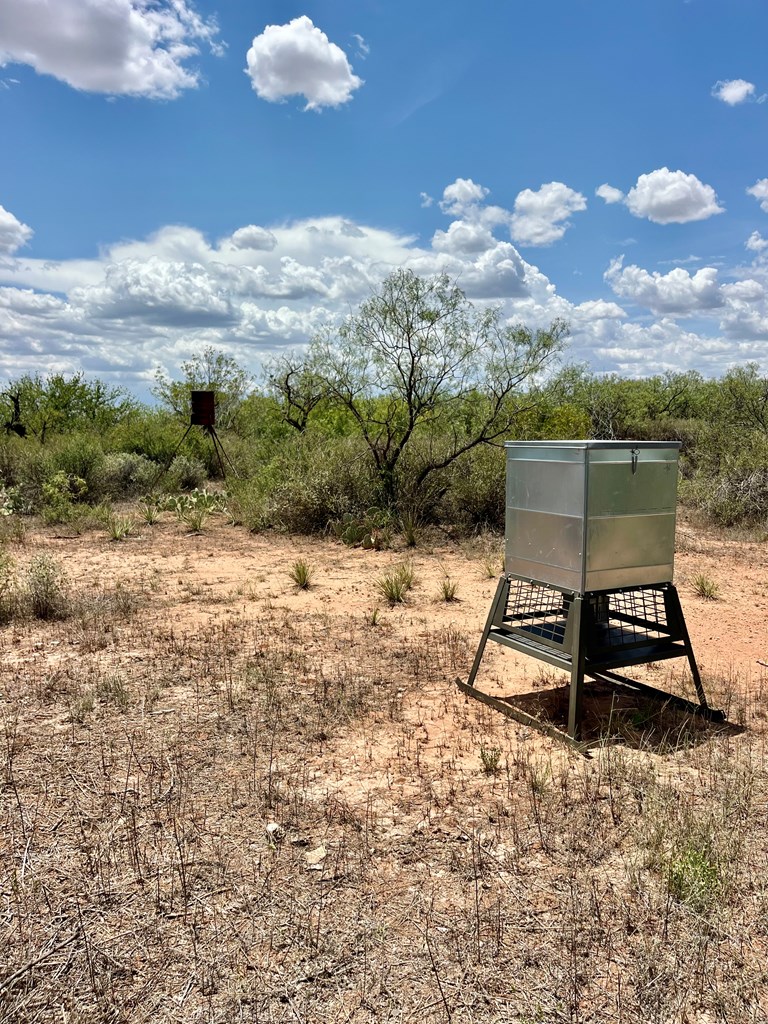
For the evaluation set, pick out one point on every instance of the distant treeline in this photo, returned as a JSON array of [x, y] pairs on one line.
[[400, 414], [96, 443]]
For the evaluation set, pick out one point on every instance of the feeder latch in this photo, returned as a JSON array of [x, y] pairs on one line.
[[635, 457]]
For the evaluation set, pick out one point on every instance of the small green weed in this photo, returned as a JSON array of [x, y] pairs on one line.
[[302, 574], [46, 588], [491, 564], [111, 689], [396, 583], [195, 518], [81, 707], [119, 527], [490, 759], [8, 595], [448, 588], [704, 586], [149, 510], [409, 524], [693, 876], [12, 529]]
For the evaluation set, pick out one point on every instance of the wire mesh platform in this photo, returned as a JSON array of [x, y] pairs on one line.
[[633, 622], [591, 635]]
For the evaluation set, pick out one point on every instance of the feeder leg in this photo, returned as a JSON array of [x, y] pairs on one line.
[[166, 467], [221, 454], [578, 652], [673, 600], [495, 617]]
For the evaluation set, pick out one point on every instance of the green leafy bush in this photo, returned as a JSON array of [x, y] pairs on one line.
[[8, 595], [310, 482], [81, 457], [186, 473], [45, 588], [59, 495], [126, 474], [475, 497], [693, 875]]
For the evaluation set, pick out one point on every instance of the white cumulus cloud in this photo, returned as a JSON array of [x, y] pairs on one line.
[[760, 191], [118, 47], [734, 91], [253, 237], [461, 196], [609, 193], [13, 234], [541, 217], [677, 293], [298, 59], [154, 300], [756, 242], [463, 237], [672, 197]]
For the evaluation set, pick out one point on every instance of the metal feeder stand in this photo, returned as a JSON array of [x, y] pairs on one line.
[[588, 560]]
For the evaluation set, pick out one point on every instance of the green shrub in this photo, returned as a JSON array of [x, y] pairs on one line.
[[8, 594], [396, 583], [45, 588], [36, 466], [302, 574], [153, 434], [12, 454], [126, 474], [475, 497], [59, 494], [693, 875], [112, 689], [149, 510], [728, 480], [195, 518], [185, 473], [704, 586], [81, 457], [490, 759], [310, 482], [119, 527]]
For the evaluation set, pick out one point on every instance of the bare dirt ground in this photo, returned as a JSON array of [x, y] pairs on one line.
[[224, 798]]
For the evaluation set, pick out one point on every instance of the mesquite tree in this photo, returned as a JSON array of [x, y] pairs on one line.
[[426, 375]]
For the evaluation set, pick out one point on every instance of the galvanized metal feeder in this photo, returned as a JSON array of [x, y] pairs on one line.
[[587, 583]]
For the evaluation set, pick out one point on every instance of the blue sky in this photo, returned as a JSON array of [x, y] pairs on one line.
[[177, 174]]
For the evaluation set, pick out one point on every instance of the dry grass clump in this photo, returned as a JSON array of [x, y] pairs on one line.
[[395, 584], [119, 527], [302, 574], [39, 590], [704, 586]]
